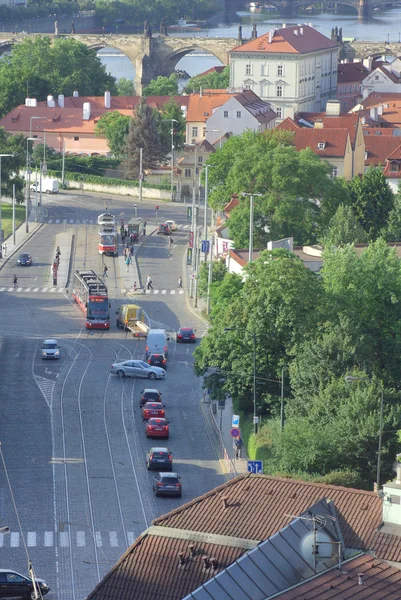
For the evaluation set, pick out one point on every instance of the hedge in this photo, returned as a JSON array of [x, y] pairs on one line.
[[72, 176]]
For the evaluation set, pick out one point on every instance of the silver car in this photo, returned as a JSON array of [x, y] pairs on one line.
[[137, 368], [50, 349]]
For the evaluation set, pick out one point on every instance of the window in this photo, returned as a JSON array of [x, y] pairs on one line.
[[187, 173], [264, 69], [247, 86], [238, 114], [334, 172], [248, 69], [376, 78], [279, 91], [280, 70], [263, 89], [225, 114], [394, 166], [204, 132], [321, 145], [200, 159], [279, 112], [76, 139], [194, 132]]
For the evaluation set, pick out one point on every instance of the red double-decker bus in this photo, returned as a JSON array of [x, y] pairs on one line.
[[91, 294]]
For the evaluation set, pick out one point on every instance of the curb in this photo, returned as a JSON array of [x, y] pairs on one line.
[[15, 250]]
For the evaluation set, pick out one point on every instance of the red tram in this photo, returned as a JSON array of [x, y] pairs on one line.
[[91, 294]]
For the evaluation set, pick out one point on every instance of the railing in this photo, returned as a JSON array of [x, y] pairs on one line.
[[230, 464]]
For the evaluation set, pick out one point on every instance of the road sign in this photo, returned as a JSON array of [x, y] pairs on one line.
[[235, 432], [205, 246], [222, 404], [235, 421], [189, 256], [255, 466]]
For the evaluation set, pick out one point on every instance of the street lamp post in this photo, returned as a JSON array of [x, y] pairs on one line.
[[28, 181], [251, 196], [1, 224], [350, 379], [172, 156]]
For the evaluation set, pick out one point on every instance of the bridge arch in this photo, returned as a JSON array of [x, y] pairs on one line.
[[169, 63]]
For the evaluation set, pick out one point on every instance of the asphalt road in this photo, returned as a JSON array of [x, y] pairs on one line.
[[71, 434]]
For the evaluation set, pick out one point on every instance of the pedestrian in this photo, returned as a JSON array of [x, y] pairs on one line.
[[132, 250], [149, 285], [238, 447], [58, 253], [5, 249], [15, 281], [105, 269], [127, 262], [144, 228], [135, 287], [180, 283]]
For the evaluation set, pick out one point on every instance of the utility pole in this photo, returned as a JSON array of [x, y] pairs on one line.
[[198, 251], [36, 194], [193, 233], [1, 225], [206, 199], [140, 174], [210, 275], [62, 166], [14, 241]]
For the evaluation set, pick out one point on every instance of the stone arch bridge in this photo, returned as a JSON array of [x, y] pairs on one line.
[[151, 56]]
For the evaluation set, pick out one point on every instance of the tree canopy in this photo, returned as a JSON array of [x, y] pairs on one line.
[[42, 68], [162, 86], [172, 110], [114, 127], [212, 81], [11, 165], [125, 87]]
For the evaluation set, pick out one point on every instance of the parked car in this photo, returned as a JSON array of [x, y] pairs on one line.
[[137, 368], [159, 458], [24, 260], [186, 334], [152, 409], [157, 360], [172, 224], [167, 484], [163, 229], [157, 427], [14, 585], [150, 395], [50, 349]]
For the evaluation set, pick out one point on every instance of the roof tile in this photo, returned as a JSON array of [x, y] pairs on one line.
[[289, 40]]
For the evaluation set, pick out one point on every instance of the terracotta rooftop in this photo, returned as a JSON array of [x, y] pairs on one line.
[[378, 148], [288, 125], [201, 107], [228, 521], [232, 204], [330, 143], [289, 40], [216, 69], [380, 581], [344, 121], [377, 98], [351, 73]]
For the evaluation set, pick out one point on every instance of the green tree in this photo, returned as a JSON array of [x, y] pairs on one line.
[[162, 86], [125, 87], [212, 81], [38, 153], [172, 110], [392, 232], [219, 271], [11, 165], [114, 127], [344, 228], [372, 201], [43, 66], [143, 133]]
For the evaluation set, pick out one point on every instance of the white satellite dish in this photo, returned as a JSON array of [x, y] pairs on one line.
[[325, 549]]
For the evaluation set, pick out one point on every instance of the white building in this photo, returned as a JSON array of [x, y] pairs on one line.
[[294, 68], [384, 79]]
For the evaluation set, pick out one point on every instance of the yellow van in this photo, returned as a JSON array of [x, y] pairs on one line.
[[128, 314]]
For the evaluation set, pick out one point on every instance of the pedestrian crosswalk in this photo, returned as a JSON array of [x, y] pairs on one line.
[[33, 290], [53, 221], [65, 539], [164, 292]]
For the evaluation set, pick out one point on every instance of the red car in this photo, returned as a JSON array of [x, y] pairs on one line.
[[157, 428], [152, 409]]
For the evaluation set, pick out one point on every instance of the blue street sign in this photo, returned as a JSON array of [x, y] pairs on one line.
[[255, 466], [235, 421], [205, 246]]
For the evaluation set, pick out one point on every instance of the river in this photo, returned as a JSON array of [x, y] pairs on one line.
[[385, 26]]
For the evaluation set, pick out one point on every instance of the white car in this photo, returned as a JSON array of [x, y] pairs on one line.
[[50, 349], [137, 368], [172, 224]]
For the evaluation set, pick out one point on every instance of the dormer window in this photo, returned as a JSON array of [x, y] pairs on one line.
[[394, 166], [321, 145]]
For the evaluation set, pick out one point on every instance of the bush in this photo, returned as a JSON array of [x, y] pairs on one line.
[[71, 176]]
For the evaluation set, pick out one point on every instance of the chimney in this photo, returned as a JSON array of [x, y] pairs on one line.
[[50, 101], [32, 102], [206, 562], [86, 109], [333, 108], [181, 559], [318, 124], [373, 113], [360, 578], [301, 31], [296, 32], [75, 94], [270, 36], [225, 501], [380, 109], [107, 99], [284, 26], [367, 62], [363, 120], [61, 100]]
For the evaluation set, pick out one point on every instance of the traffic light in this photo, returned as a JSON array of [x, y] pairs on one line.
[[157, 208]]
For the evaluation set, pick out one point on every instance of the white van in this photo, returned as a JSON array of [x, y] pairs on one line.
[[157, 342]]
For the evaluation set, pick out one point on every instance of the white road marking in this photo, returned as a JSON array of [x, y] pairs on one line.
[[27, 289], [52, 289], [45, 289], [36, 290], [2, 289], [1, 539], [155, 291], [180, 291], [48, 539], [172, 292], [10, 289], [81, 538], [64, 541], [71, 220], [98, 539], [60, 290], [14, 539], [57, 220], [113, 539], [164, 291], [50, 221], [31, 538]]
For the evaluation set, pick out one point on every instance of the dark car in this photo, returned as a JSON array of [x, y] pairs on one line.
[[24, 260], [156, 427], [150, 395], [152, 409], [167, 484], [14, 585], [186, 334], [157, 360], [159, 458], [163, 229]]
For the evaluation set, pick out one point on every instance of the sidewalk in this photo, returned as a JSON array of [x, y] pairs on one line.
[[132, 274], [21, 236], [64, 242]]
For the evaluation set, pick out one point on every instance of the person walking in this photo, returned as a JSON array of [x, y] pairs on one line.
[[105, 269], [238, 447], [128, 262], [15, 281], [149, 285], [180, 283], [5, 249], [58, 252]]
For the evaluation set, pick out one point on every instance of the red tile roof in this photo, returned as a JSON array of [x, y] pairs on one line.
[[288, 125], [379, 148], [344, 121], [377, 98], [380, 581], [231, 205], [289, 40], [334, 140], [217, 69], [351, 73], [201, 107]]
